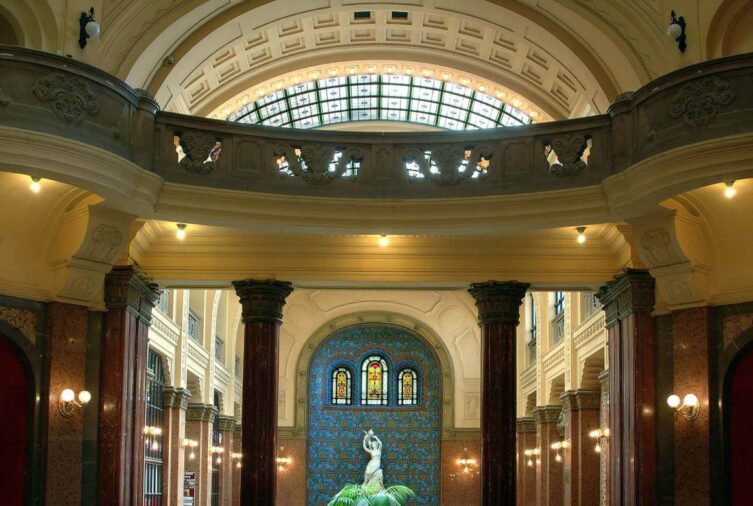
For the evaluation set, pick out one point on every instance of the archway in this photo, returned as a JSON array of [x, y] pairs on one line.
[[15, 390], [410, 431], [740, 411]]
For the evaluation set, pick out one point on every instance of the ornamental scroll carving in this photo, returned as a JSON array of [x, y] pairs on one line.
[[23, 320], [449, 165], [698, 102], [104, 244], [201, 150], [568, 155], [71, 99], [317, 164]]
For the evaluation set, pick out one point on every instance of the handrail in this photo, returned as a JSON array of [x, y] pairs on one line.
[[54, 95]]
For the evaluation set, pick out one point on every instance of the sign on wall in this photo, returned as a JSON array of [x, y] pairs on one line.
[[189, 488]]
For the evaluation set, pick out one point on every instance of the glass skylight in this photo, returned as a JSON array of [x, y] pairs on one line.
[[383, 97]]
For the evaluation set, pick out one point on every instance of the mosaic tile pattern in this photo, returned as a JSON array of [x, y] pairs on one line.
[[411, 454]]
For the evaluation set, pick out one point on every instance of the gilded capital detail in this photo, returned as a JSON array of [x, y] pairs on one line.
[[498, 302], [262, 300], [629, 292]]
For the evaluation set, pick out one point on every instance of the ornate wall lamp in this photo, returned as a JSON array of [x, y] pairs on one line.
[[88, 27], [237, 458], [690, 407], [466, 462], [152, 433], [530, 453], [67, 401], [601, 436], [560, 445], [218, 451], [676, 31], [192, 444], [283, 462]]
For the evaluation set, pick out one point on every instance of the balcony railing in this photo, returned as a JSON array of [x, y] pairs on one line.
[[62, 97]]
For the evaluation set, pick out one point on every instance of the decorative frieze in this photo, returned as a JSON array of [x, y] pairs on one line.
[[584, 335]]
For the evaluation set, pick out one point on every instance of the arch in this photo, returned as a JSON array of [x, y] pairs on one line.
[[390, 318], [33, 25], [729, 31], [530, 403], [556, 387], [9, 29], [593, 365], [341, 391], [737, 412], [193, 383]]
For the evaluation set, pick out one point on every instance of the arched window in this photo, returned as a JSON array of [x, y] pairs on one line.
[[374, 381], [155, 383], [407, 387], [342, 383]]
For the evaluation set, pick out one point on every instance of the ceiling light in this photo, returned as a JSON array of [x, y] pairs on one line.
[[181, 233], [730, 190], [581, 234], [35, 185], [384, 241]]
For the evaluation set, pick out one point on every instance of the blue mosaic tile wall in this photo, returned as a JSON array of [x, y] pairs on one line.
[[410, 434]]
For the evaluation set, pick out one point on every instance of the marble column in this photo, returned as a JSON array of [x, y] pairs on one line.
[[548, 471], [262, 303], [526, 478], [175, 403], [581, 462], [628, 301], [498, 315], [237, 448], [129, 300], [226, 426], [199, 425], [66, 351]]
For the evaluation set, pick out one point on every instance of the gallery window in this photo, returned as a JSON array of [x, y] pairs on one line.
[[407, 387], [374, 381], [342, 384], [154, 417]]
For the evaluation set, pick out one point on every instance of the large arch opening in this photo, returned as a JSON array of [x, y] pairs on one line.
[[372, 359], [739, 413]]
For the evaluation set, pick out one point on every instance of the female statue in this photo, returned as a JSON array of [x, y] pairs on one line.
[[373, 475]]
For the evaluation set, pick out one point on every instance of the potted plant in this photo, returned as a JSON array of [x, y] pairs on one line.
[[359, 495]]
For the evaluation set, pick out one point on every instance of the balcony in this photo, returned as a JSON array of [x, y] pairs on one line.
[[60, 98]]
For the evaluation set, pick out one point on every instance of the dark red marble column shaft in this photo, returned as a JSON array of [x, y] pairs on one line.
[[526, 479], [581, 462], [628, 302], [129, 300], [262, 303], [498, 315]]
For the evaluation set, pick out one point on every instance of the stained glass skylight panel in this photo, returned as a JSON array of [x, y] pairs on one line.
[[384, 97]]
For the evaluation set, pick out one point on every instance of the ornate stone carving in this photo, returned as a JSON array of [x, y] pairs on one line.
[[450, 165], [657, 247], [698, 102], [124, 288], [70, 96], [633, 290], [201, 150], [225, 423], [262, 300], [546, 414], [568, 155], [104, 244], [201, 413], [498, 302], [317, 164], [21, 319], [173, 397]]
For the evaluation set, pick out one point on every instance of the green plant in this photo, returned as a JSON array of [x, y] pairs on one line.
[[358, 495]]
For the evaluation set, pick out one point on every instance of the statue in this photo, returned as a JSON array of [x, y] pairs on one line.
[[372, 477]]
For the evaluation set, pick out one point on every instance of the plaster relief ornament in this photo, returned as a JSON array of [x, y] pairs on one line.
[[201, 151], [72, 99], [698, 102], [568, 155]]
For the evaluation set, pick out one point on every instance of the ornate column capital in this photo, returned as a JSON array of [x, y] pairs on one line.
[[604, 380], [262, 300], [125, 288], [226, 423], [575, 400], [201, 413], [498, 302], [631, 291], [173, 397], [546, 414], [525, 424]]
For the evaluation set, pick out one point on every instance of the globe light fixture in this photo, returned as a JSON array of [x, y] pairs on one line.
[[88, 27], [581, 235], [67, 401], [676, 31], [690, 407]]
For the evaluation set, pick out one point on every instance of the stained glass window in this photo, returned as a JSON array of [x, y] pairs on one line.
[[385, 97], [374, 381], [341, 386], [407, 387]]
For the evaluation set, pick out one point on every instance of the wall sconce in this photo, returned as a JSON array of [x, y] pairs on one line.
[[283, 462], [152, 433], [690, 407], [560, 445], [217, 450], [530, 453], [67, 401], [88, 27], [599, 435], [466, 461], [237, 457], [676, 31], [192, 444]]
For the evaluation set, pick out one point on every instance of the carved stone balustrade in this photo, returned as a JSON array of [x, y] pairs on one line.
[[58, 96]]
